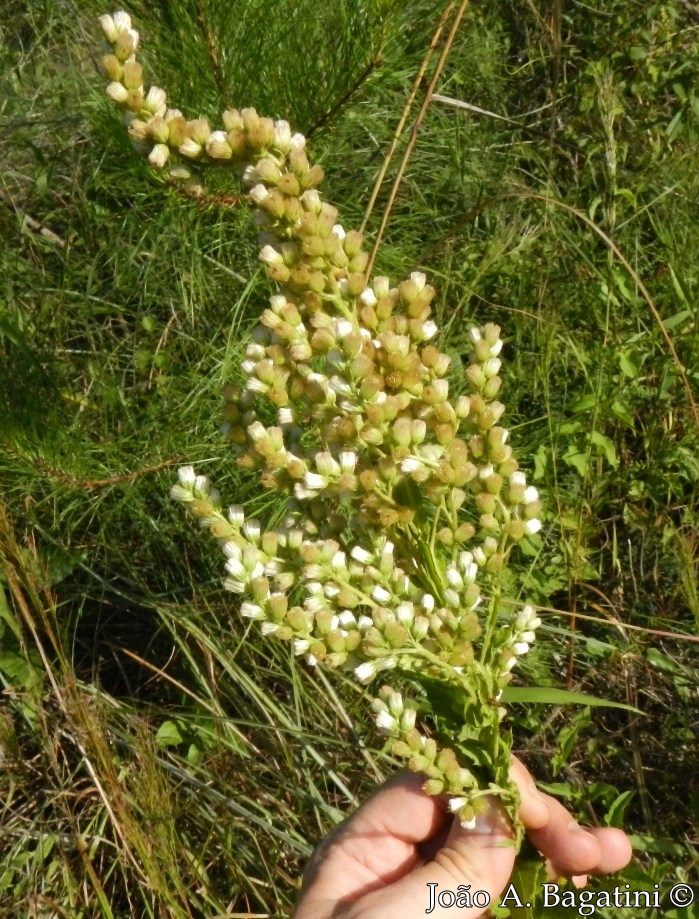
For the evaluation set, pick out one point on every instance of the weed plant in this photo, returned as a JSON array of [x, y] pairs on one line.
[[158, 762]]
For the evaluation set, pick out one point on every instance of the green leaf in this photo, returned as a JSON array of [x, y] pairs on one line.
[[662, 662], [638, 53], [550, 695], [195, 755], [606, 445], [519, 897], [169, 734], [445, 701], [18, 669], [673, 321], [7, 617], [658, 846], [586, 404], [568, 738], [622, 412], [675, 126], [558, 789], [629, 364], [579, 461], [615, 814]]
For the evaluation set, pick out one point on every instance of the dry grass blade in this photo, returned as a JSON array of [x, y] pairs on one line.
[[418, 120]]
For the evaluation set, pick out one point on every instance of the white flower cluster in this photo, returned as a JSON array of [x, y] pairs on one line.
[[523, 634], [396, 718], [403, 496]]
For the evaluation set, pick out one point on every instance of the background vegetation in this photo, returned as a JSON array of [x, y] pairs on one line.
[[155, 759]]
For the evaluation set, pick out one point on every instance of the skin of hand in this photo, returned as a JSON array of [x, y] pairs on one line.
[[378, 863]]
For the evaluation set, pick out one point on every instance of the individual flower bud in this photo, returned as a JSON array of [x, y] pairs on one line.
[[495, 563], [313, 177], [288, 184], [497, 409], [260, 132], [494, 484], [177, 130], [436, 392], [442, 365], [352, 243], [365, 672], [311, 201], [217, 146], [159, 155], [463, 407], [408, 290], [237, 141], [464, 533], [258, 194], [199, 130], [268, 171], [476, 376], [132, 75], [282, 136], [516, 530], [486, 502], [402, 432], [493, 364], [109, 28], [155, 101], [423, 331], [446, 536], [232, 120], [508, 466], [125, 45], [418, 430], [529, 511], [134, 101], [516, 491], [112, 67], [117, 92], [384, 720], [270, 256], [122, 21]]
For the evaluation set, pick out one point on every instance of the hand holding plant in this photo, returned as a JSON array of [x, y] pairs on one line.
[[398, 855]]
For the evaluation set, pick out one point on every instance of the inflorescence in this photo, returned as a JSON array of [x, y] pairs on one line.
[[403, 501]]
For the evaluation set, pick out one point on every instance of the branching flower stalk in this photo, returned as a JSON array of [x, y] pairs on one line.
[[403, 501]]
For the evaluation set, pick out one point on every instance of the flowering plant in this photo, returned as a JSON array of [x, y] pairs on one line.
[[403, 499]]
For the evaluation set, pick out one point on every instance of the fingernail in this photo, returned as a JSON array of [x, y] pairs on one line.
[[575, 828]]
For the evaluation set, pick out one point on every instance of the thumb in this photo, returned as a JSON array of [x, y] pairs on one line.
[[482, 856]]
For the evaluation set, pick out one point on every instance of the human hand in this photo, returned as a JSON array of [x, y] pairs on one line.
[[378, 864]]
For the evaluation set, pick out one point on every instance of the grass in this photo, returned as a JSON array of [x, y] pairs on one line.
[[157, 760]]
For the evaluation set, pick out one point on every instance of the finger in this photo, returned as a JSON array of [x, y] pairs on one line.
[[614, 851], [533, 810], [570, 848]]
